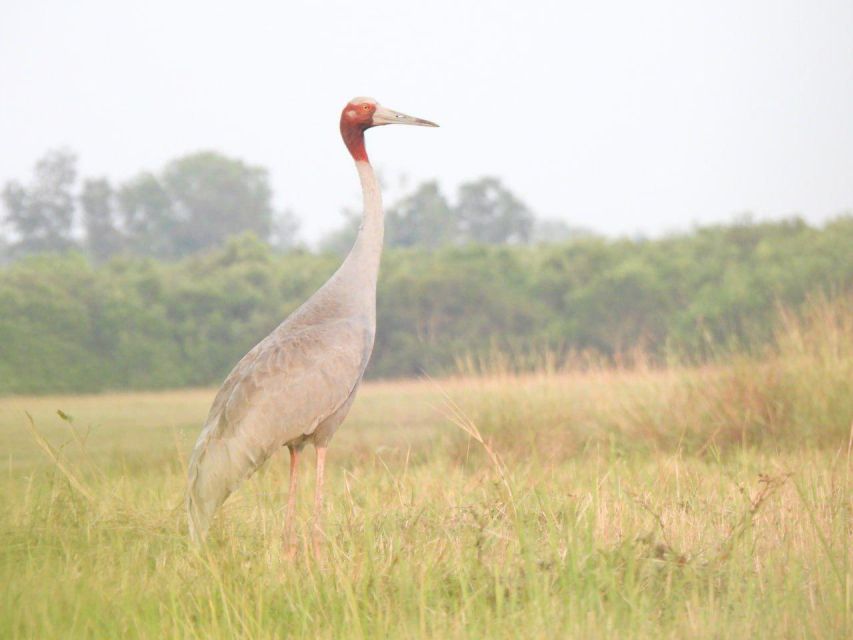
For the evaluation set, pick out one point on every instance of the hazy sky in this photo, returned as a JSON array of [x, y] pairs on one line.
[[624, 117]]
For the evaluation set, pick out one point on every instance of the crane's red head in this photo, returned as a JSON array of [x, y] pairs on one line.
[[362, 113]]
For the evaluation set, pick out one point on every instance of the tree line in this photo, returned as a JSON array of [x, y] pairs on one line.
[[193, 203], [196, 202], [71, 323]]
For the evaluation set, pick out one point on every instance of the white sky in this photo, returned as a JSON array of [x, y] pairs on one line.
[[624, 117]]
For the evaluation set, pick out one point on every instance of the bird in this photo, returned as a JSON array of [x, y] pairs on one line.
[[297, 385]]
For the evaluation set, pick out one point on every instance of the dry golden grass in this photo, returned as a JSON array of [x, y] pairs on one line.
[[680, 502]]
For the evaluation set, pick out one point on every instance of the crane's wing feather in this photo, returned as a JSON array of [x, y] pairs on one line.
[[281, 390]]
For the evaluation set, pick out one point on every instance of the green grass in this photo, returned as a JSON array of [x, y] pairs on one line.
[[705, 503]]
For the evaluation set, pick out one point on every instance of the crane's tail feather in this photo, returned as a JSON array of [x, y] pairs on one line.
[[217, 468]]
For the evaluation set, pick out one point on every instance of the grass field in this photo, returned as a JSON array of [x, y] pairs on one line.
[[682, 502]]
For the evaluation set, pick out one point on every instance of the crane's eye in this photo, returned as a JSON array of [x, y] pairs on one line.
[[366, 107]]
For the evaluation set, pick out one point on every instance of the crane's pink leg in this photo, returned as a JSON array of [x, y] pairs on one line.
[[318, 500], [288, 538]]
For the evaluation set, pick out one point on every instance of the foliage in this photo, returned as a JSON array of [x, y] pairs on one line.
[[488, 213], [195, 203], [103, 238], [41, 215], [485, 212], [423, 218], [66, 324]]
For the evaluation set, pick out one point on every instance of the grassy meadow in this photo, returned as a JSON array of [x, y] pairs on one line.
[[580, 501]]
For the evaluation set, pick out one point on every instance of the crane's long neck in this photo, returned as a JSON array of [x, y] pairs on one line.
[[360, 270], [368, 244]]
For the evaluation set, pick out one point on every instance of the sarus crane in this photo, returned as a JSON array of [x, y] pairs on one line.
[[297, 385]]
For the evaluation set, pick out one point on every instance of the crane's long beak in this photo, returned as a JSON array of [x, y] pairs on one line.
[[387, 116]]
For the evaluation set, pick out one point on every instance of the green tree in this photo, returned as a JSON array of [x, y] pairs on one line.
[[103, 239], [41, 215], [284, 231], [197, 202], [147, 217], [214, 197], [422, 219], [488, 213]]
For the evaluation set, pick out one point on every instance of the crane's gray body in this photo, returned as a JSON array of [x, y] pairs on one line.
[[298, 383]]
